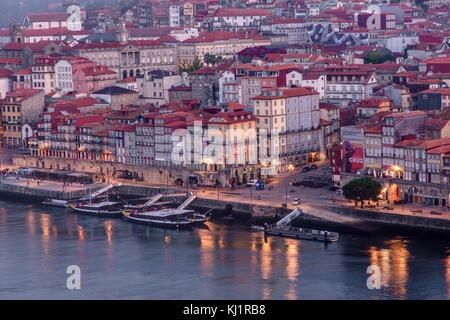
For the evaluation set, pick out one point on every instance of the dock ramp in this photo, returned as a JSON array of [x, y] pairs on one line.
[[288, 218], [100, 191], [153, 200], [187, 202]]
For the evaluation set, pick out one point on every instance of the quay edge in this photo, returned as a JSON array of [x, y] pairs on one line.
[[241, 212]]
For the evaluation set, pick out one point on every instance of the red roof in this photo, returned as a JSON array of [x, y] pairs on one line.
[[167, 38], [23, 94], [23, 72], [205, 70], [5, 73], [235, 12], [53, 32], [4, 60], [45, 17]]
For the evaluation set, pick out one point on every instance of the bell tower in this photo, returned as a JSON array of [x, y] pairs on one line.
[[122, 33], [16, 34]]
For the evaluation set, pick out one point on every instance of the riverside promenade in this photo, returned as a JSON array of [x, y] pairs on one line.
[[317, 204], [32, 189]]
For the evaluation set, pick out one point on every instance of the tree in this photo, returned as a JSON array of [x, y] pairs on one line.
[[374, 57], [212, 59], [363, 189], [189, 68]]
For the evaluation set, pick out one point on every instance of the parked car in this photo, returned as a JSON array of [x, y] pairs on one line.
[[252, 183], [306, 169], [296, 201], [314, 167]]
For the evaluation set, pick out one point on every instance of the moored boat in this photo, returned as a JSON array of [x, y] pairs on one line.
[[164, 222], [105, 209], [172, 218]]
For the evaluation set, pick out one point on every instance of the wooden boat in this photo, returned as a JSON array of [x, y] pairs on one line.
[[164, 222], [105, 209], [171, 218]]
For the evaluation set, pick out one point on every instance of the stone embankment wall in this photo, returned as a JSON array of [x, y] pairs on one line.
[[393, 219], [151, 175], [8, 191]]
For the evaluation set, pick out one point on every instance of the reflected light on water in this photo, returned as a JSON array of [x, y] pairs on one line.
[[393, 263], [31, 223], [3, 216], [447, 274], [45, 221], [81, 233], [207, 247], [292, 268], [266, 267], [167, 240], [109, 235], [108, 230]]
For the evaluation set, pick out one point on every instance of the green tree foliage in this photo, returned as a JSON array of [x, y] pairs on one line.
[[363, 189], [189, 68], [374, 57], [212, 59]]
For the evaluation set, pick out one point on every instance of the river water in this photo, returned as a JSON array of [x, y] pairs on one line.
[[120, 260]]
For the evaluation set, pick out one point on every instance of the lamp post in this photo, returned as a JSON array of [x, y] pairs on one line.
[[290, 168]]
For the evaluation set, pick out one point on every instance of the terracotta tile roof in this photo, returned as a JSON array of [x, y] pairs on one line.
[[5, 73], [205, 70], [4, 60], [375, 129], [23, 72], [45, 17], [235, 12]]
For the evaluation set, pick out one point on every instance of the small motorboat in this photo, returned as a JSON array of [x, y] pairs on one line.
[[55, 203], [256, 228]]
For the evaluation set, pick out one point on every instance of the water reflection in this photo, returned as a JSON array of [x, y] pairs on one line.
[[31, 225], [447, 275], [167, 240], [266, 268], [3, 214], [393, 264], [224, 262], [292, 267], [207, 249], [45, 222], [109, 235]]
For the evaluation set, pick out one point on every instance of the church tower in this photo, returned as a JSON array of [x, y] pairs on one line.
[[122, 33], [16, 34]]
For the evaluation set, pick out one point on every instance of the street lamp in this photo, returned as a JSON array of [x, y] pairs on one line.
[[290, 168]]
